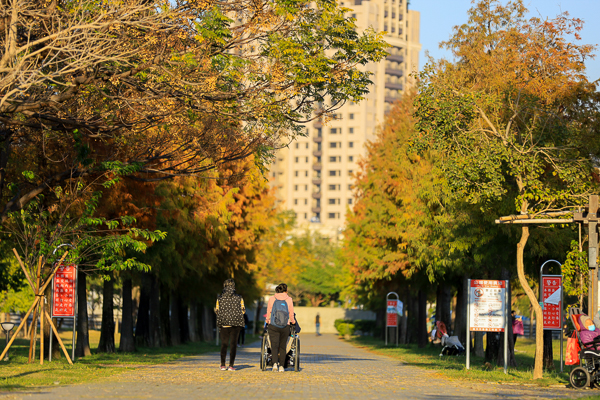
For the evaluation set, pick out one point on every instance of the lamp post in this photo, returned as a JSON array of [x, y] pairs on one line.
[[7, 327]]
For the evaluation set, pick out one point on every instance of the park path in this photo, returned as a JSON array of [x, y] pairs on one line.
[[331, 369]]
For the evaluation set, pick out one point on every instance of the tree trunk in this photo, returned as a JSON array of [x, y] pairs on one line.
[[539, 335], [257, 325], [422, 319], [413, 318], [194, 321], [56, 351], [82, 347], [460, 321], [404, 321], [493, 346], [127, 344], [175, 328], [479, 352], [208, 324], [548, 353], [184, 326], [446, 298], [142, 328], [154, 312], [165, 318], [512, 362], [107, 328]]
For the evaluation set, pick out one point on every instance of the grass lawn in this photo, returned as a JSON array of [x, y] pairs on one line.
[[17, 374], [454, 366]]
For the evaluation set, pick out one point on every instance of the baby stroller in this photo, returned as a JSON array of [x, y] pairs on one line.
[[292, 349], [588, 372], [451, 345]]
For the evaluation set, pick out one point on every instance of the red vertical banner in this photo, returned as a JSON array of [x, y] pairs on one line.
[[392, 313], [552, 298], [63, 291]]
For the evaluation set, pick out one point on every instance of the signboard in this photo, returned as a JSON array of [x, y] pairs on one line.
[[487, 305], [63, 291], [392, 313], [552, 298]]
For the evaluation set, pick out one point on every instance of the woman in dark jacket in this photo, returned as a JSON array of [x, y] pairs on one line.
[[230, 311]]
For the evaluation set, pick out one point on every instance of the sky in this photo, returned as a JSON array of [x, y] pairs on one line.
[[438, 17]]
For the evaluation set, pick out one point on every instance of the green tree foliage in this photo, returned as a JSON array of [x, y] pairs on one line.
[[575, 273], [398, 228], [513, 118]]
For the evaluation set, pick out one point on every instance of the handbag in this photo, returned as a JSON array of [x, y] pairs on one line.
[[573, 350], [518, 328]]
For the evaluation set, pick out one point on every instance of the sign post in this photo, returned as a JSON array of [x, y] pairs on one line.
[[487, 311], [551, 294], [64, 295], [391, 320]]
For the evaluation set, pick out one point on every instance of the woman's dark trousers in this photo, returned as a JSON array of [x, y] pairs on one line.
[[229, 337], [278, 337]]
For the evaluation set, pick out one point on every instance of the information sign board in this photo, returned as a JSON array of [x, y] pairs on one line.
[[63, 291], [487, 305], [552, 298], [392, 313]]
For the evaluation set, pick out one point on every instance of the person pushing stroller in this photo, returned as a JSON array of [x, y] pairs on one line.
[[280, 314]]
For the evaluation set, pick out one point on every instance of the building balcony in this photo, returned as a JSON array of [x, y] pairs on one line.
[[395, 72], [317, 167], [316, 195], [317, 181], [316, 210], [395, 86], [317, 139], [318, 123], [388, 99], [317, 153], [399, 58]]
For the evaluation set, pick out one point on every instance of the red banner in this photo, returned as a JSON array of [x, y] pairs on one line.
[[551, 284], [392, 313], [63, 291]]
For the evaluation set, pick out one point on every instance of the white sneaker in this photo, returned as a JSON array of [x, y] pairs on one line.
[[281, 369], [274, 367]]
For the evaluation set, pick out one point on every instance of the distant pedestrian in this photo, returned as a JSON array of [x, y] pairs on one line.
[[230, 311], [318, 324], [280, 314], [517, 326], [242, 339]]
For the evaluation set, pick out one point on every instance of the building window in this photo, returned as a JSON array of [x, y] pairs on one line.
[[305, 187], [350, 187], [349, 201], [351, 130], [334, 201], [351, 116], [335, 159], [351, 158], [296, 187], [305, 215], [274, 174], [335, 145], [334, 187], [334, 131], [350, 171], [306, 159], [296, 173], [305, 173], [350, 144], [333, 215], [296, 159], [280, 159], [295, 202], [306, 145], [297, 145], [335, 173], [305, 202]]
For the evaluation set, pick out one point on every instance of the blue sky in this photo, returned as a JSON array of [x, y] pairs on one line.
[[438, 17]]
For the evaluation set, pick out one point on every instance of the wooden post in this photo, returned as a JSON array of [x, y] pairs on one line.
[[62, 346], [14, 336], [42, 310], [593, 255]]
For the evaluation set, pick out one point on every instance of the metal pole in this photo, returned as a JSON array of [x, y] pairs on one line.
[[592, 255], [468, 324], [561, 324], [506, 317], [51, 310], [75, 313]]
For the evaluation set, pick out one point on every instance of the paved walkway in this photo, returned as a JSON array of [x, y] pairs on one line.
[[331, 369]]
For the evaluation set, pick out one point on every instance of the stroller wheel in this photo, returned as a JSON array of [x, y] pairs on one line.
[[579, 378], [297, 359], [263, 354]]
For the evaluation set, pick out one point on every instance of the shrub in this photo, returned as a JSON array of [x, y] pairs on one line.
[[365, 326], [346, 328]]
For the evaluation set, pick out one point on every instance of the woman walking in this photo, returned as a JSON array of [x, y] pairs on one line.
[[280, 314], [230, 311]]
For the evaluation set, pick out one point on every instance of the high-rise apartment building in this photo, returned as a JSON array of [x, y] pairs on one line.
[[313, 176]]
